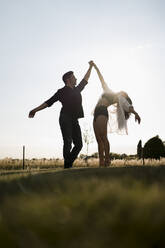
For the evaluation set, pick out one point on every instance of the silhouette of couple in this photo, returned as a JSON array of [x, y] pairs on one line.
[[71, 100]]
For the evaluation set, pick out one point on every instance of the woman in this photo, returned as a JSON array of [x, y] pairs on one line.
[[122, 108]]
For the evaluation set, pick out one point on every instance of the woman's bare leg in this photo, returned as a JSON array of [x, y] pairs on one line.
[[101, 153], [106, 149], [106, 143], [99, 143], [100, 128]]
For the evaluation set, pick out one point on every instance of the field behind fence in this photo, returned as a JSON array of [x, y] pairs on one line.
[[30, 164]]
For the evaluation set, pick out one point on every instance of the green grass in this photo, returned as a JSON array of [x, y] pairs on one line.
[[86, 208]]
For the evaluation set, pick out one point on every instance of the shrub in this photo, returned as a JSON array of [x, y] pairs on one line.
[[154, 148]]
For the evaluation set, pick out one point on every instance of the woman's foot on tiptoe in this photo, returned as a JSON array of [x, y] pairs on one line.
[[107, 163]]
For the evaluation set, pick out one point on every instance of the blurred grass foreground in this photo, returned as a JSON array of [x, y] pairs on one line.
[[85, 207]]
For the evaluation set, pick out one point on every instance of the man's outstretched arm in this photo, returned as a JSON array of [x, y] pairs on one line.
[[88, 73], [33, 111]]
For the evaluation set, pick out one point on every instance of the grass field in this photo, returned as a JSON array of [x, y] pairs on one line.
[[84, 207], [30, 164]]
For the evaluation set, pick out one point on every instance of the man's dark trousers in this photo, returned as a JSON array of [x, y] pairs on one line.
[[71, 132]]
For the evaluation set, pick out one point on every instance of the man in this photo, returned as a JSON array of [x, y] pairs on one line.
[[71, 111]]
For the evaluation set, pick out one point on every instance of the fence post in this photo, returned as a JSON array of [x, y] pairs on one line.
[[23, 162]]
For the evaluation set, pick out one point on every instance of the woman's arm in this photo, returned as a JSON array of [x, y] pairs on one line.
[[103, 83], [137, 117]]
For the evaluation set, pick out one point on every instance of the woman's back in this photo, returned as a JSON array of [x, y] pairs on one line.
[[107, 99]]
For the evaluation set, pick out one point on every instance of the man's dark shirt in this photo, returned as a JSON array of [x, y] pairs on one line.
[[71, 100]]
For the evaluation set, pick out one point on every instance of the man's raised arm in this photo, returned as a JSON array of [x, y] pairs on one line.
[[84, 81], [88, 73]]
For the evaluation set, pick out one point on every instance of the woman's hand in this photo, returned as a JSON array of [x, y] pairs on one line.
[[137, 118]]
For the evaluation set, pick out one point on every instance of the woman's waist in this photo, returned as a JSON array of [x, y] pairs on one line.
[[101, 106]]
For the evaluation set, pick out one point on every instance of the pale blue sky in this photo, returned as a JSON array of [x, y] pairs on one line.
[[41, 40]]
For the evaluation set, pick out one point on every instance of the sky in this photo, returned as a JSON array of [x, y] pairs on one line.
[[42, 39]]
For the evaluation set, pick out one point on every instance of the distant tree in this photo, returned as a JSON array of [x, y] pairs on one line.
[[139, 150], [154, 148], [115, 155], [82, 156], [124, 156], [95, 155], [87, 137]]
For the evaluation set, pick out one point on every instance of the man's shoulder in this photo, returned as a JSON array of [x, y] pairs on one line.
[[62, 89]]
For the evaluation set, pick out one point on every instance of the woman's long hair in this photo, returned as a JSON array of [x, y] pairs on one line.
[[123, 93]]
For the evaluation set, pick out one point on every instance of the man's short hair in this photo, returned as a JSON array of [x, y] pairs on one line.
[[67, 75]]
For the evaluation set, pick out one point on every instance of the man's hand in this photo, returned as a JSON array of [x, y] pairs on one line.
[[137, 118], [32, 113]]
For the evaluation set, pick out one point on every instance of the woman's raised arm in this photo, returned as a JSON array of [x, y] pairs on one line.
[[103, 83]]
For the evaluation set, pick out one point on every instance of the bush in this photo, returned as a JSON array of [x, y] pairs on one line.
[[154, 148]]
